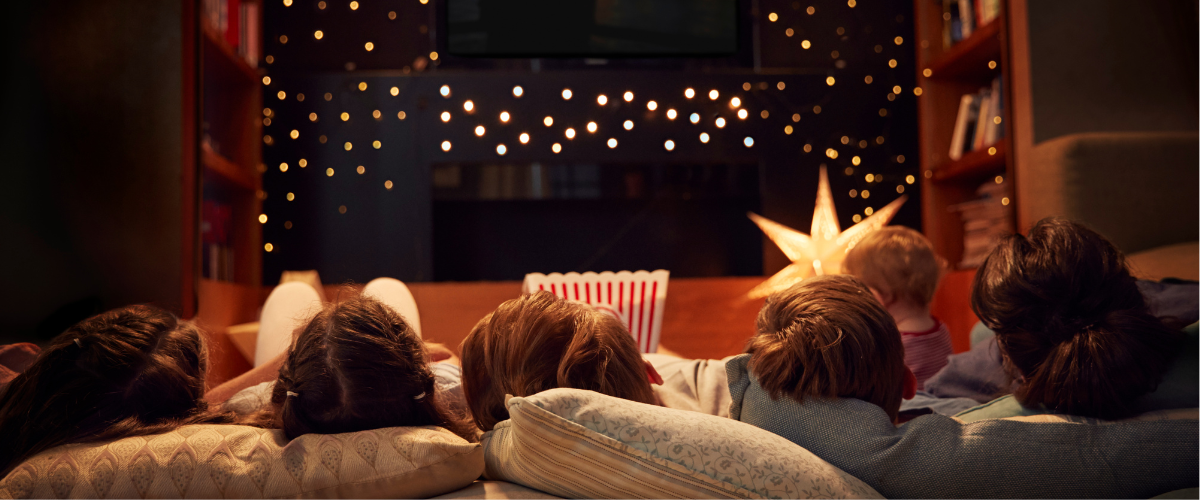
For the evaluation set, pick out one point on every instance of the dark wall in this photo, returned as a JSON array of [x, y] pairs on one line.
[[90, 159], [390, 231], [1108, 66]]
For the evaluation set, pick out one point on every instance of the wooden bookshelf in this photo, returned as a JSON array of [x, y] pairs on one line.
[[219, 169], [945, 74], [223, 120], [230, 154], [974, 166]]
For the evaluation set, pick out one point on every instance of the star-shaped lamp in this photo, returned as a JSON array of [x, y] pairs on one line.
[[822, 251]]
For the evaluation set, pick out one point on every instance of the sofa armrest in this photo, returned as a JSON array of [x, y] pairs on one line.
[[1136, 188]]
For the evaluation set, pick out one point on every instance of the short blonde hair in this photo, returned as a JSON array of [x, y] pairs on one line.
[[899, 261]]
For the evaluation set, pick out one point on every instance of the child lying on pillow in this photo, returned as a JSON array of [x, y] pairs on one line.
[[353, 365], [132, 371], [538, 342], [826, 372]]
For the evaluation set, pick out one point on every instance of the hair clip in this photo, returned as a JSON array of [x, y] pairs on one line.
[[291, 394], [78, 343], [419, 396]]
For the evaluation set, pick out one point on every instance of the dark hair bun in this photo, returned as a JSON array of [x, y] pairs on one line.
[[1071, 321]]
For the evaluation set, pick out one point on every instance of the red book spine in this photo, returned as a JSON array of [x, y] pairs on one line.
[[233, 31]]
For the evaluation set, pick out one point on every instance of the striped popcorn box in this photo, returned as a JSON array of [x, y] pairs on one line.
[[637, 298]]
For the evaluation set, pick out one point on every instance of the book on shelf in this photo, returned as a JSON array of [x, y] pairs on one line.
[[215, 226], [239, 23], [967, 107], [978, 124], [960, 18], [985, 221], [251, 36]]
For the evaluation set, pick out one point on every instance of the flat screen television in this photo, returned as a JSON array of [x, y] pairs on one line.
[[591, 28]]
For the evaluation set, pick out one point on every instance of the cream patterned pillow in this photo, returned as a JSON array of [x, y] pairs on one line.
[[234, 461], [582, 444]]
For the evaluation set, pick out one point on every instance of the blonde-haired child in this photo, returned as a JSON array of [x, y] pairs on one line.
[[902, 271]]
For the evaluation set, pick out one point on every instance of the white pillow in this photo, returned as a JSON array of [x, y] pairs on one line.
[[582, 444], [234, 461]]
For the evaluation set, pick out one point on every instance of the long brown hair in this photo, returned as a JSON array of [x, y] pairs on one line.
[[1071, 324], [131, 371], [828, 337], [358, 365], [539, 342]]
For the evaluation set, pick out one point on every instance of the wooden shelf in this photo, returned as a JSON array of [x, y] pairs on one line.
[[228, 171], [227, 62], [969, 58], [974, 165]]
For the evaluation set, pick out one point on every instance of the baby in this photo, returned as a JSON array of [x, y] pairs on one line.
[[902, 272]]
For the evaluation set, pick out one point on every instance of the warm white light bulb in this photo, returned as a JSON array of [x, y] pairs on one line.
[[628, 96], [713, 94], [671, 114], [652, 105], [689, 93], [504, 116], [601, 99], [479, 130], [445, 145], [524, 138], [591, 127]]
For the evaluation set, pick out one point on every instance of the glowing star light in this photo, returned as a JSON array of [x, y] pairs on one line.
[[822, 251]]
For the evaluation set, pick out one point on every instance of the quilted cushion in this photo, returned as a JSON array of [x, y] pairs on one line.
[[233, 461], [582, 444]]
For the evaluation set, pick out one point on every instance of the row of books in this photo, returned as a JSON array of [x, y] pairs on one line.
[[240, 24], [978, 123], [217, 262], [960, 18], [985, 221], [216, 224]]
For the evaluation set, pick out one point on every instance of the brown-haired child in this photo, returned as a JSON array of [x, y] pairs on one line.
[[538, 342], [131, 371], [900, 268], [828, 337]]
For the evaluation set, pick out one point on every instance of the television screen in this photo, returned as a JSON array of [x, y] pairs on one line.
[[591, 28]]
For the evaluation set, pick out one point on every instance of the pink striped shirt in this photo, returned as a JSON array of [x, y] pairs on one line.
[[926, 353]]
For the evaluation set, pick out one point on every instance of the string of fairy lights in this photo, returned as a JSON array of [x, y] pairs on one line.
[[525, 122]]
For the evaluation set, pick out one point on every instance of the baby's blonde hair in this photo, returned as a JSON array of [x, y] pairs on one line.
[[899, 261]]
